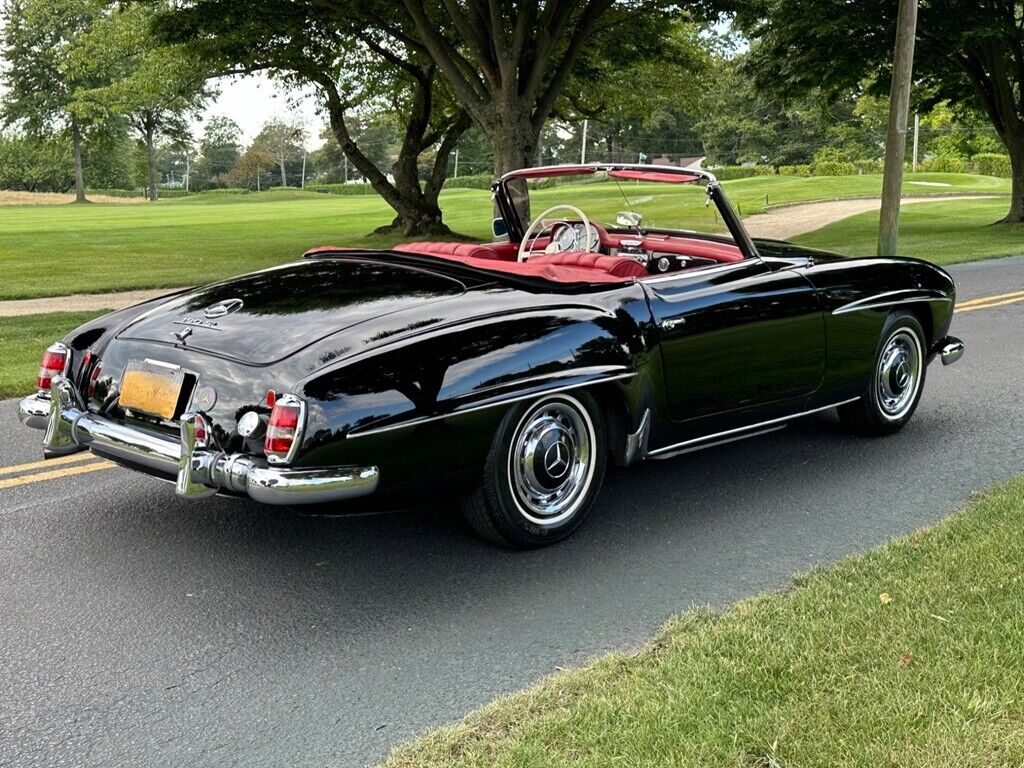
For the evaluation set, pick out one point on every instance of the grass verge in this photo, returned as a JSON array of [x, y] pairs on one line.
[[23, 340], [909, 655], [54, 250], [943, 233]]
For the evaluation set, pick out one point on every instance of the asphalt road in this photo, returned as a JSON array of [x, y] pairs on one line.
[[136, 628]]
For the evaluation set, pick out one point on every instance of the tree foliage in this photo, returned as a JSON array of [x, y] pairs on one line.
[[967, 52], [156, 86]]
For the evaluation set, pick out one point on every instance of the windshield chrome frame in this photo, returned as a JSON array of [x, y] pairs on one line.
[[503, 198]]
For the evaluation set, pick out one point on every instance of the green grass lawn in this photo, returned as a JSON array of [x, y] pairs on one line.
[[939, 232], [23, 340], [55, 250], [908, 656]]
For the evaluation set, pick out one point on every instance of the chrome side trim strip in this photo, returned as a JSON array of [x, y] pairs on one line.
[[695, 272], [753, 429], [722, 441], [883, 300], [485, 406]]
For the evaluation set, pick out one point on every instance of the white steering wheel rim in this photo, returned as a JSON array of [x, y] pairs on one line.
[[540, 220]]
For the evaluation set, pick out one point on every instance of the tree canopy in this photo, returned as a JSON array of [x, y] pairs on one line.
[[967, 52]]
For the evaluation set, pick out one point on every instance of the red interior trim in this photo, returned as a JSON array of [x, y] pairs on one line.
[[665, 177]]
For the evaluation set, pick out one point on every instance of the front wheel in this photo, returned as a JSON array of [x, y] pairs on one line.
[[542, 474], [896, 383]]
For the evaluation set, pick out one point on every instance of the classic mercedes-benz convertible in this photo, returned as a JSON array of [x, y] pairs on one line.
[[605, 331]]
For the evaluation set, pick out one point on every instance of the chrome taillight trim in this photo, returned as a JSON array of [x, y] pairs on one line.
[[300, 428]]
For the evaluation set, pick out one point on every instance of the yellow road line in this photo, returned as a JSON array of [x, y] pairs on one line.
[[11, 482], [990, 305], [987, 299], [72, 459]]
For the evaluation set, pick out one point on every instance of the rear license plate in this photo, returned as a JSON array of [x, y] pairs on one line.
[[151, 389]]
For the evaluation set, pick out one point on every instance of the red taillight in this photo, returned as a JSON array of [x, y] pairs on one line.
[[271, 398], [283, 428], [202, 430], [55, 358]]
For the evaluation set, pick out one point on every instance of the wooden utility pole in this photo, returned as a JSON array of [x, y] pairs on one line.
[[896, 138]]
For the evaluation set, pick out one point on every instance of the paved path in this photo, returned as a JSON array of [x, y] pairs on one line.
[[786, 221], [80, 302], [140, 629]]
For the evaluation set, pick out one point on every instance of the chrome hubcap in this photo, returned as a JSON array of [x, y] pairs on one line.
[[899, 374], [551, 461]]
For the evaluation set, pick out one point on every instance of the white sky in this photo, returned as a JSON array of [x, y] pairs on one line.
[[253, 100]]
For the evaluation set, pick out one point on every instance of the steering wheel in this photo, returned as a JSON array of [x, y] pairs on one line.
[[540, 223]]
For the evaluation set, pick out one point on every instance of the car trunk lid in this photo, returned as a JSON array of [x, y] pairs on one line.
[[264, 317]]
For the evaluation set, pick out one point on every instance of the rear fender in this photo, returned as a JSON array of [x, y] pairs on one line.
[[432, 403]]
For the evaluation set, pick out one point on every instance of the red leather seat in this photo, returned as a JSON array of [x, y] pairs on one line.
[[617, 266], [459, 250]]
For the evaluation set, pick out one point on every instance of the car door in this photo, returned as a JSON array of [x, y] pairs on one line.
[[737, 336]]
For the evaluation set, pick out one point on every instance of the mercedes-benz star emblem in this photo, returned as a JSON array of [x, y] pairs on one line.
[[222, 308], [556, 460]]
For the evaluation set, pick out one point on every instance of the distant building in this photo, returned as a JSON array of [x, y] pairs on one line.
[[682, 161]]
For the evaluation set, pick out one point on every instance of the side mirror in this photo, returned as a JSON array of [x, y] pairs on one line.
[[628, 219], [500, 230]]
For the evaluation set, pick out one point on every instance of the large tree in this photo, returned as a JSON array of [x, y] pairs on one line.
[[157, 87], [283, 139], [39, 83], [358, 71], [509, 63], [967, 52]]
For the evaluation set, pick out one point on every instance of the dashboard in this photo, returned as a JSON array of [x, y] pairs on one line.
[[659, 252]]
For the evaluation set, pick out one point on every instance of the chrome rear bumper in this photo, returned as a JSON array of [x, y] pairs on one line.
[[198, 471]]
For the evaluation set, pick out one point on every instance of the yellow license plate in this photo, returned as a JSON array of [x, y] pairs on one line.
[[151, 389]]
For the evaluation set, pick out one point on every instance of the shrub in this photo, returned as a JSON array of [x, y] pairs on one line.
[[217, 191], [990, 164], [477, 181], [833, 168], [358, 188], [727, 172], [115, 192], [944, 164], [794, 170], [869, 165]]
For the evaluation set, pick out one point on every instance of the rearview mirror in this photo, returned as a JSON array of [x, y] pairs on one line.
[[628, 219], [499, 230]]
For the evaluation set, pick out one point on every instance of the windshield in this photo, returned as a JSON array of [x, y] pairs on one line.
[[649, 206]]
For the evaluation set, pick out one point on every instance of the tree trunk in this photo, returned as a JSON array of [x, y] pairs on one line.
[[1016, 213], [76, 150], [416, 213], [284, 174], [150, 128], [515, 145]]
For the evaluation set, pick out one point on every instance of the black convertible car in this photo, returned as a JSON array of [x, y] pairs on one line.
[[513, 372]]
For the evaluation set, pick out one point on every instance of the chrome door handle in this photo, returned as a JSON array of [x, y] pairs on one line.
[[672, 324]]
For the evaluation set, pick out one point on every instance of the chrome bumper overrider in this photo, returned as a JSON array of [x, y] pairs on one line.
[[200, 472], [951, 349]]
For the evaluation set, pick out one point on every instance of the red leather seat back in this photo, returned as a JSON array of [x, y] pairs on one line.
[[617, 266], [459, 250]]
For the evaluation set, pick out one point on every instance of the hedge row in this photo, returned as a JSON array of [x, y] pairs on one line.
[[477, 181], [361, 188], [164, 193], [983, 164]]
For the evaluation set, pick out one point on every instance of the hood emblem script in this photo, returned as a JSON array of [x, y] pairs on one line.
[[222, 308]]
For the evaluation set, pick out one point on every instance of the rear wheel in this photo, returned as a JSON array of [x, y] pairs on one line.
[[542, 474], [896, 383]]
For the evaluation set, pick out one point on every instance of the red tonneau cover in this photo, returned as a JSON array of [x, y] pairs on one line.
[[555, 273], [664, 177]]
